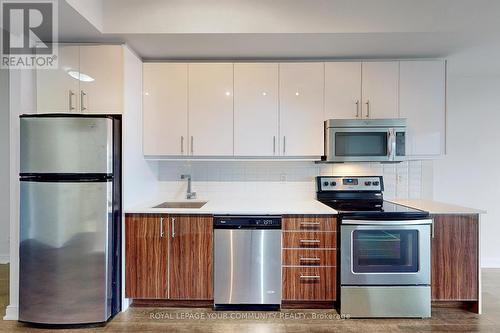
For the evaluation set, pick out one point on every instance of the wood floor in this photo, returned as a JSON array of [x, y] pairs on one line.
[[146, 320]]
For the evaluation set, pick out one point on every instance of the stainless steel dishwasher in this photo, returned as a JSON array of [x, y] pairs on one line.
[[247, 262]]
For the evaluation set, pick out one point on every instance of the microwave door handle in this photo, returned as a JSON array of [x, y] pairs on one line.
[[389, 144], [393, 149]]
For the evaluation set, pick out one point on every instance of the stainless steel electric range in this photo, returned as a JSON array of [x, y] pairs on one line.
[[384, 250]]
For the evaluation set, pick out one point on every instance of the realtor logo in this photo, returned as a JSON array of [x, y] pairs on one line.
[[29, 34]]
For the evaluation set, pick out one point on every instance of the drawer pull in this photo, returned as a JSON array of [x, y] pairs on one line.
[[309, 277], [310, 241], [309, 259], [309, 223]]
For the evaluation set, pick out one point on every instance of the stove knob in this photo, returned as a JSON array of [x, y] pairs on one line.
[[325, 183], [368, 183], [333, 184], [376, 183]]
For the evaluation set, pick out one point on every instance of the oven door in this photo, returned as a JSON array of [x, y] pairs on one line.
[[359, 144], [386, 254]]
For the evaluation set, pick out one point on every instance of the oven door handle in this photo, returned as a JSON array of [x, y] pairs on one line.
[[384, 222]]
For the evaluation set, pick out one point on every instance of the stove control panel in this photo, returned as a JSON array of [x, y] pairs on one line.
[[355, 183]]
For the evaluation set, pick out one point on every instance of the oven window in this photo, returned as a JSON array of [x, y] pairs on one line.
[[385, 251], [361, 144]]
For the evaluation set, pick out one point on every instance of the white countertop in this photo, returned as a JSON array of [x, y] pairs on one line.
[[435, 207], [240, 207]]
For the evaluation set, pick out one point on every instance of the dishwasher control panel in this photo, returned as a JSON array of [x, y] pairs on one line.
[[247, 222]]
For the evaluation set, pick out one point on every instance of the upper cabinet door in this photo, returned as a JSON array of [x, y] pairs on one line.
[[165, 108], [422, 102], [255, 109], [101, 79], [57, 90], [301, 109], [343, 90], [211, 109], [380, 89]]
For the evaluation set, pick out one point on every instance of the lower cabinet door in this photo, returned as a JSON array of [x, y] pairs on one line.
[[191, 252], [146, 256], [309, 283]]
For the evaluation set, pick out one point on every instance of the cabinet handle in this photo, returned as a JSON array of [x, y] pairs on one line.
[[367, 109], [182, 144], [310, 259], [284, 145], [161, 228], [310, 241], [274, 145], [82, 95], [173, 227], [309, 277], [357, 109], [71, 106], [192, 145], [432, 229], [309, 223]]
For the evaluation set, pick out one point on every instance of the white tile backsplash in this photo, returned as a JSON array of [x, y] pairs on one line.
[[285, 179]]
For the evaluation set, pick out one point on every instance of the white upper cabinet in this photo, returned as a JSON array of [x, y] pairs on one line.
[[255, 109], [301, 109], [89, 79], [211, 109], [165, 109], [101, 79], [380, 89], [422, 102], [56, 90], [342, 90]]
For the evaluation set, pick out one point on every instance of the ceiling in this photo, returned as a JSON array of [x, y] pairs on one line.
[[284, 29]]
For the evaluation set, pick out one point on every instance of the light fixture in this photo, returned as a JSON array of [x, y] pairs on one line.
[[228, 93], [146, 93], [80, 76], [297, 93], [264, 93]]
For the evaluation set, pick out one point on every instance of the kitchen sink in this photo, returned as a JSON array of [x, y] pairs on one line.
[[181, 204]]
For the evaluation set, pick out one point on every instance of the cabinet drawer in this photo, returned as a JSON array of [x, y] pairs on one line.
[[309, 240], [292, 257], [309, 283], [313, 223]]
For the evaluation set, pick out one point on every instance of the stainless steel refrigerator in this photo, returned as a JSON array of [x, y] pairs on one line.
[[70, 219]]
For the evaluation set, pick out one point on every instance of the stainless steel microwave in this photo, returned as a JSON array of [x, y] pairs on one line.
[[365, 140]]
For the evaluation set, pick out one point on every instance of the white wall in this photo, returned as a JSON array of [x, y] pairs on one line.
[[468, 175], [140, 176], [4, 166]]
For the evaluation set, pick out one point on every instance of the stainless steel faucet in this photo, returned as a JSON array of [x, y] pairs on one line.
[[189, 194]]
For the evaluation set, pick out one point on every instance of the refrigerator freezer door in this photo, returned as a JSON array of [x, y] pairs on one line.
[[66, 145], [64, 252]]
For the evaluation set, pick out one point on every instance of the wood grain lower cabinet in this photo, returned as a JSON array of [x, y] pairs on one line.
[[309, 283], [455, 258], [146, 257], [309, 260], [191, 257], [168, 257]]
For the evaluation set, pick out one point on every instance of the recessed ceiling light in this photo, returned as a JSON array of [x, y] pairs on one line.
[[228, 93], [297, 93]]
